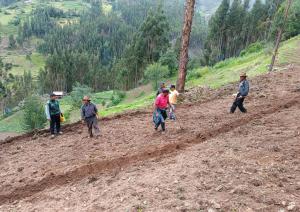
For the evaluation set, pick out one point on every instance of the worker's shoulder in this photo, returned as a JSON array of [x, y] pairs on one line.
[[244, 82], [91, 104], [159, 96]]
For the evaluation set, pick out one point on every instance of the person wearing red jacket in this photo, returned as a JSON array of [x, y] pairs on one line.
[[160, 109]]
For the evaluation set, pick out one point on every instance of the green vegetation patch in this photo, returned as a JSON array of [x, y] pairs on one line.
[[22, 63], [136, 104], [69, 5], [254, 64], [221, 74], [12, 123]]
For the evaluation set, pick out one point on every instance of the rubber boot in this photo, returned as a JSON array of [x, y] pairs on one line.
[[163, 126]]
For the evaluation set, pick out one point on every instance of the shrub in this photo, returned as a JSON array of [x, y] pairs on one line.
[[67, 115], [169, 59], [120, 94], [269, 48], [8, 66], [34, 114], [78, 92], [155, 73], [28, 57], [193, 63], [193, 74], [16, 21], [252, 48], [115, 100], [11, 42], [141, 94], [223, 63]]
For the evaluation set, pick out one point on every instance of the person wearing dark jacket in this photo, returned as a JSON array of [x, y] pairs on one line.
[[53, 113], [161, 88], [241, 95], [89, 115]]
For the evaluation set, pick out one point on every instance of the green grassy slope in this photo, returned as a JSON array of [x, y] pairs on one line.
[[221, 74], [22, 10], [254, 64], [21, 64], [12, 123]]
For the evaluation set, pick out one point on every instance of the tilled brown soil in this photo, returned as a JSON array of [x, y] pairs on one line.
[[5, 135], [207, 160]]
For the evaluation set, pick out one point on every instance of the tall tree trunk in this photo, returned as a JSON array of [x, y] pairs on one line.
[[279, 35], [185, 40]]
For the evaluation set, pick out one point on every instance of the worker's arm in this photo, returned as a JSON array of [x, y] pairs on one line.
[[155, 104], [82, 113], [96, 111], [169, 104], [58, 106], [154, 107], [97, 115]]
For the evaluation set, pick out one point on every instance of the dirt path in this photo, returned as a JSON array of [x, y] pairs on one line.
[[36, 172]]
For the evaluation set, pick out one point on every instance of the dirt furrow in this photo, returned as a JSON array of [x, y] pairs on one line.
[[59, 179], [69, 127]]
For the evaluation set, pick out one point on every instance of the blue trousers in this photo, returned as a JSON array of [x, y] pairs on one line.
[[159, 117]]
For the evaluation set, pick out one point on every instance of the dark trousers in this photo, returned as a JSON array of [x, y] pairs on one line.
[[92, 123], [55, 123], [238, 102]]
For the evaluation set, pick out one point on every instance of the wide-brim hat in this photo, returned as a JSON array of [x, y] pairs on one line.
[[86, 98], [243, 74]]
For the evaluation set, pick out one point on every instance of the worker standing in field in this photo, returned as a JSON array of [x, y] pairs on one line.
[[162, 86], [160, 109], [53, 114], [89, 115], [173, 101], [241, 95]]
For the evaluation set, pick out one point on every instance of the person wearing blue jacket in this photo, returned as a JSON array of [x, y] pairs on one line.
[[241, 95], [90, 115], [53, 112]]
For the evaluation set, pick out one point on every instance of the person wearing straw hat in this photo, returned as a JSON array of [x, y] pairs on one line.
[[241, 95], [90, 116]]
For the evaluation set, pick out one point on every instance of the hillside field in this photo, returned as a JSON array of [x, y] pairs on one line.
[[221, 74], [208, 160]]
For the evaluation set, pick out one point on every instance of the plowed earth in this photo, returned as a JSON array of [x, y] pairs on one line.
[[207, 160]]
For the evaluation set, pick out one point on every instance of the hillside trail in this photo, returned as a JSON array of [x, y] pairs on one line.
[[33, 166]]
